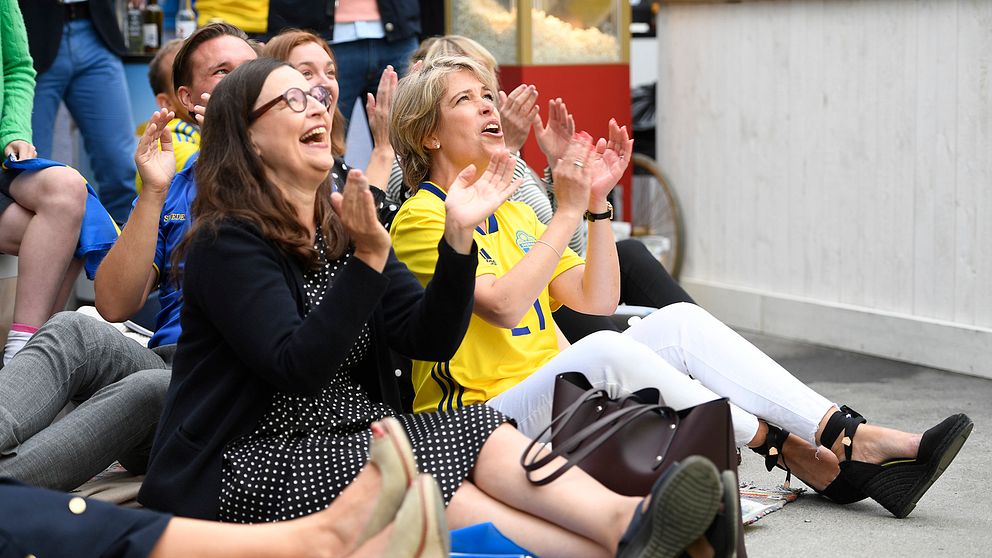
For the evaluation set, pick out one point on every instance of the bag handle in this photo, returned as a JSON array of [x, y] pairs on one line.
[[615, 421]]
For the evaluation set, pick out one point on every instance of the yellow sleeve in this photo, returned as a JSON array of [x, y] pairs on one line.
[[416, 231]]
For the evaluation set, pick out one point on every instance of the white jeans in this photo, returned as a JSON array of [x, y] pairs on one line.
[[663, 351]]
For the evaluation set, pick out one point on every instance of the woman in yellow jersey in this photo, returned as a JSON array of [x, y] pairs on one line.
[[445, 118]]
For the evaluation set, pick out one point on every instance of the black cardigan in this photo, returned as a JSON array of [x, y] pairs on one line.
[[244, 338]]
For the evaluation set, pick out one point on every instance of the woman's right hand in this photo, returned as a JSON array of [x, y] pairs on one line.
[[471, 200], [572, 176], [156, 166], [356, 208]]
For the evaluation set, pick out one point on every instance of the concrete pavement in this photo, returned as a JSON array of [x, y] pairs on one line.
[[953, 519]]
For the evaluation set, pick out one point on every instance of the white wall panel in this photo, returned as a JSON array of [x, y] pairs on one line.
[[835, 151]]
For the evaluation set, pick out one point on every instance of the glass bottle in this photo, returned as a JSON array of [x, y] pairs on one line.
[[151, 28], [185, 19], [135, 35]]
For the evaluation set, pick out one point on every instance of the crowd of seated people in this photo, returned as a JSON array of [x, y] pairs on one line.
[[268, 383]]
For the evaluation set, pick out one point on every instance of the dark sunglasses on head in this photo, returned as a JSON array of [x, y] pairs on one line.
[[296, 100]]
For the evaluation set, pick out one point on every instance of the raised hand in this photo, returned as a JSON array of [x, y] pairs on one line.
[[554, 138], [200, 110], [20, 149], [356, 208], [378, 107], [610, 160], [517, 110], [573, 176], [470, 200], [156, 165]]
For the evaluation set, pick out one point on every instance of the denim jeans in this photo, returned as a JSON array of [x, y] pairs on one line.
[[117, 384], [90, 79], [360, 65]]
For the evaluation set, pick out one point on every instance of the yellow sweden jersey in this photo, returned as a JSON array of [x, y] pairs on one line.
[[491, 359]]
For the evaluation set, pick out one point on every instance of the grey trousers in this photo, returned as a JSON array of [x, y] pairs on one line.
[[118, 387]]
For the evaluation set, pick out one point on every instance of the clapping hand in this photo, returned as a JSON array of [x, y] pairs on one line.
[[356, 208], [379, 106], [471, 200], [517, 110], [156, 166], [554, 138], [609, 160], [573, 175]]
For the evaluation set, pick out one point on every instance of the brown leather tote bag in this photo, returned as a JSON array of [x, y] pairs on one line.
[[627, 443]]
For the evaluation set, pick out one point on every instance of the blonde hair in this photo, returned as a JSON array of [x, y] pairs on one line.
[[417, 111], [454, 45]]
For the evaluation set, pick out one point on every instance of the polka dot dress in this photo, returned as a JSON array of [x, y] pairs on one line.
[[307, 449]]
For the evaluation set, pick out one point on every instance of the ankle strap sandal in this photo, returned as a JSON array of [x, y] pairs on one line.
[[838, 491], [772, 450], [846, 419], [900, 483]]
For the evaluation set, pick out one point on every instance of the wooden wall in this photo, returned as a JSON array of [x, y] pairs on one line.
[[836, 157]]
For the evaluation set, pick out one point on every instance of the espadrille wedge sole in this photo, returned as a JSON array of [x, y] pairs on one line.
[[899, 484]]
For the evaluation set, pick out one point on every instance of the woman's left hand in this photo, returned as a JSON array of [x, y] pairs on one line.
[[609, 160], [20, 149], [470, 201], [356, 208], [380, 106]]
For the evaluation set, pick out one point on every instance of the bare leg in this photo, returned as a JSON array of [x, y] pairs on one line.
[[313, 536], [57, 197], [471, 506], [876, 444], [68, 284], [567, 502], [816, 468]]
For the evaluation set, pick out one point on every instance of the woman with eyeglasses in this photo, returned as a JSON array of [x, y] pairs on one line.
[[292, 299], [313, 58]]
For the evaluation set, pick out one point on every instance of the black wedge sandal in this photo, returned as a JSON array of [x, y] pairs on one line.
[[838, 491], [898, 484]]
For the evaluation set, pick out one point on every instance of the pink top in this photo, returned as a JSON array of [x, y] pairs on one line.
[[356, 10]]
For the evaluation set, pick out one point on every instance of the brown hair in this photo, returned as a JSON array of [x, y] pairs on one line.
[[417, 111], [182, 72], [231, 182], [281, 46]]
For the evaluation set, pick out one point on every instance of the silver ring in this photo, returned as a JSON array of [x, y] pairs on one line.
[[578, 163]]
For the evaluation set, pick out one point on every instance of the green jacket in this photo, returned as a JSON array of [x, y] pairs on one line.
[[17, 79]]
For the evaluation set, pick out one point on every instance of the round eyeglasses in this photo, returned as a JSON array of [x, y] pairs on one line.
[[296, 100]]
